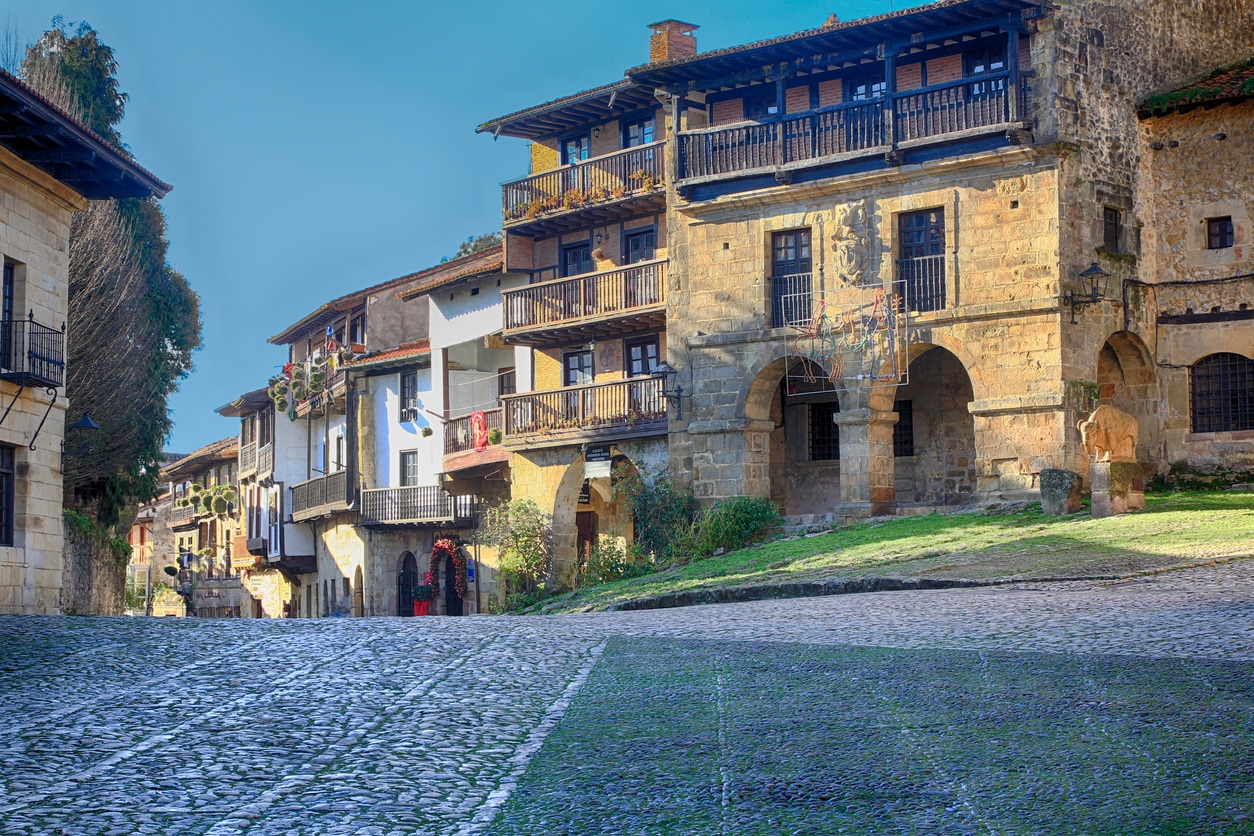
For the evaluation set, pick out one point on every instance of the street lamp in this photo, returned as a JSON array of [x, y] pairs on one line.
[[666, 370], [1096, 280]]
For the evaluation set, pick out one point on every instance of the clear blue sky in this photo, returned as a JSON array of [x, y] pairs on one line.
[[316, 148]]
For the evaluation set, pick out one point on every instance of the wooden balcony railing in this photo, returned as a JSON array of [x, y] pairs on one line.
[[459, 436], [933, 111], [627, 173], [590, 296], [182, 514], [32, 353], [248, 459], [329, 490], [426, 504], [265, 459], [601, 408]]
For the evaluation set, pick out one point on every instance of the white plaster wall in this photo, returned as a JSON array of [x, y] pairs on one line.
[[392, 436], [465, 316], [290, 467]]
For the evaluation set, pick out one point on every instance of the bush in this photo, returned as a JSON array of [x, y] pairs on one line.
[[733, 523], [522, 536], [608, 562], [663, 514]]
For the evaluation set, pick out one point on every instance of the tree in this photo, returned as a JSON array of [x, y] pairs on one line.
[[475, 244], [133, 321]]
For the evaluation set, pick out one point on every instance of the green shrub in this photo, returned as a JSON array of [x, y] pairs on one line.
[[663, 513], [522, 536], [733, 523], [608, 562]]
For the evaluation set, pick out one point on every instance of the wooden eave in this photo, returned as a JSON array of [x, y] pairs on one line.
[[570, 113], [56, 143]]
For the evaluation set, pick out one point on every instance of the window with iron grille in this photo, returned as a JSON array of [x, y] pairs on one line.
[[791, 263], [824, 433], [409, 396], [903, 431], [409, 468], [921, 261], [1219, 233], [1112, 230], [7, 459], [1221, 389]]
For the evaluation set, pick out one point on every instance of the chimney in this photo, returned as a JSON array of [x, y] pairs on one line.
[[672, 39]]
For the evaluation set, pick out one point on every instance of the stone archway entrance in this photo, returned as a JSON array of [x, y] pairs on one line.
[[407, 578], [586, 512], [452, 601], [1128, 381], [934, 453]]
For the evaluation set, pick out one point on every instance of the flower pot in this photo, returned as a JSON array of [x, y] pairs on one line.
[[421, 607]]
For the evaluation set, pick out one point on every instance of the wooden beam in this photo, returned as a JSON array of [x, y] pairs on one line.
[[65, 155]]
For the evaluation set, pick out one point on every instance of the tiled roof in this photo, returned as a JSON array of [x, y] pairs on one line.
[[245, 403], [207, 456], [432, 276], [490, 267], [490, 125], [1223, 85], [417, 348]]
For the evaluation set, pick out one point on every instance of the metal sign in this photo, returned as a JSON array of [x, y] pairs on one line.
[[596, 462]]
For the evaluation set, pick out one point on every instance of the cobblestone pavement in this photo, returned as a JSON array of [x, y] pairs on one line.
[[1075, 707]]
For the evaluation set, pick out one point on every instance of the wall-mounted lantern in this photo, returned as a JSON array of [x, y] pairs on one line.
[[665, 370], [1096, 281]]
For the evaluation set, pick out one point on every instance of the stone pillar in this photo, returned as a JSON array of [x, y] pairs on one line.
[[730, 458], [866, 462], [1118, 487]]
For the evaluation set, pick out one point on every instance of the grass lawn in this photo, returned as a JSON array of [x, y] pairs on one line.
[[1175, 530]]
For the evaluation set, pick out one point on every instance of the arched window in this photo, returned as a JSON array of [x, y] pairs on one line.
[[1221, 388]]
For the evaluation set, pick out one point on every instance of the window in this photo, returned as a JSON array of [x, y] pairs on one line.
[[409, 396], [762, 104], [921, 266], [865, 87], [1219, 234], [1112, 230], [506, 381], [409, 468], [577, 368], [1221, 387], [338, 463], [639, 132], [824, 433], [577, 259], [790, 278], [903, 432], [357, 330], [6, 317], [986, 62], [575, 149], [638, 246], [641, 356], [7, 459]]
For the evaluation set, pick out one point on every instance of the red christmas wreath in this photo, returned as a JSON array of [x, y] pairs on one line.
[[446, 547]]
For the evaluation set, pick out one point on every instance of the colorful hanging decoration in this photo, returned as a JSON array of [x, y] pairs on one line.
[[446, 547]]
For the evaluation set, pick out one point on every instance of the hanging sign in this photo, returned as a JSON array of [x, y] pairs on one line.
[[596, 462], [470, 571], [479, 426]]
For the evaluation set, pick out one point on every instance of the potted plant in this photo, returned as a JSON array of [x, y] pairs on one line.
[[423, 594]]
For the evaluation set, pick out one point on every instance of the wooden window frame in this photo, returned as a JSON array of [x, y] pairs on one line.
[[409, 405], [639, 232], [592, 366], [1112, 229], [504, 373], [629, 344], [404, 471], [8, 494], [1220, 233]]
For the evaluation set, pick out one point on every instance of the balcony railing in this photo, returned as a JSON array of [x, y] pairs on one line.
[[791, 300], [329, 490], [921, 282], [594, 295], [636, 404], [627, 173], [32, 353], [182, 514], [247, 459], [933, 111], [415, 505], [459, 435], [265, 459]]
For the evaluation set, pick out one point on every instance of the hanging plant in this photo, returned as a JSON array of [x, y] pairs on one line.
[[182, 502], [427, 432], [230, 495], [445, 547], [494, 435], [219, 505]]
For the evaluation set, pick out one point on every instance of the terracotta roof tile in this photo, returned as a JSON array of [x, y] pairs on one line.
[[226, 448], [1231, 83], [417, 348]]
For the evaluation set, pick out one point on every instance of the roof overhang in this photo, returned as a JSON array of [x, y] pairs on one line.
[[245, 404], [56, 143], [571, 112]]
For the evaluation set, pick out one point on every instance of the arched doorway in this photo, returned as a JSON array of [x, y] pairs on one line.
[[452, 601], [406, 580], [795, 407], [934, 437], [359, 601], [1127, 380]]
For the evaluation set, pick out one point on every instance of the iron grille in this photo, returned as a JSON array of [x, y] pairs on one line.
[[824, 433], [903, 430], [1222, 393]]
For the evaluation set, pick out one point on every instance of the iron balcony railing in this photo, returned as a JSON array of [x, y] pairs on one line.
[[921, 283], [627, 173], [619, 405], [32, 353], [265, 459], [791, 300], [425, 504], [593, 295], [331, 489], [459, 435], [851, 127], [247, 459]]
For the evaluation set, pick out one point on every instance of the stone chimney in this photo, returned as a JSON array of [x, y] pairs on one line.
[[672, 39]]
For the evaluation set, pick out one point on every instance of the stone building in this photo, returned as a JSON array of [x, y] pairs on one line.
[[879, 241], [50, 167]]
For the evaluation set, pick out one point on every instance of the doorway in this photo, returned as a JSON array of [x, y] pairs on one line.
[[406, 580], [452, 601]]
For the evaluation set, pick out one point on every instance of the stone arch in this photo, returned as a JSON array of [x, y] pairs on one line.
[[761, 380], [936, 439], [565, 507], [407, 577], [1127, 379], [359, 593], [880, 398], [609, 515]]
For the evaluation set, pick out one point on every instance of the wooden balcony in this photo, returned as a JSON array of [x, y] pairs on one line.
[[624, 300], [941, 112], [598, 191], [247, 460], [265, 459], [620, 409], [426, 505], [320, 496], [459, 443], [181, 516]]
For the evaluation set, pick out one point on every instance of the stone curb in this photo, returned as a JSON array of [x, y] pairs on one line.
[[815, 589]]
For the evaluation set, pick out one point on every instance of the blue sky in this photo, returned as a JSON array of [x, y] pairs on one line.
[[316, 148]]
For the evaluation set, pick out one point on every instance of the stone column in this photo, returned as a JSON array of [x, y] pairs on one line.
[[730, 458], [866, 462]]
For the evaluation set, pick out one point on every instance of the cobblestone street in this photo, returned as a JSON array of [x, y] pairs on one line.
[[1073, 707]]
